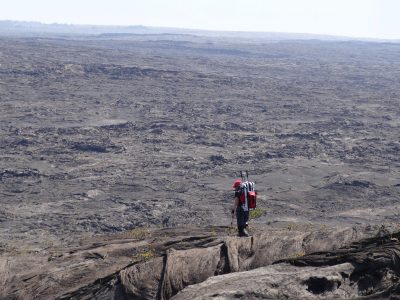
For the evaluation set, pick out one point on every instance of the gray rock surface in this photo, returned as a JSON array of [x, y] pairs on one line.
[[163, 262], [281, 281], [368, 269]]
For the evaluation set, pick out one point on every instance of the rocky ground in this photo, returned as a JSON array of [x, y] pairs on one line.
[[108, 133], [368, 269], [183, 263]]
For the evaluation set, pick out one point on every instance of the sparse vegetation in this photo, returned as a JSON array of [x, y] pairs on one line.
[[306, 226], [291, 226], [54, 254], [257, 213], [144, 255], [299, 254], [324, 227], [138, 233]]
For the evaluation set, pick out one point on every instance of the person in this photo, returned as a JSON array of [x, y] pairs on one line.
[[241, 209]]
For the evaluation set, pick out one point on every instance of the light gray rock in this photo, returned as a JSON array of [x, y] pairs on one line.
[[281, 281], [166, 261]]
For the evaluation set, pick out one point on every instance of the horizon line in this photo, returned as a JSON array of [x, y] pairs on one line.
[[360, 38]]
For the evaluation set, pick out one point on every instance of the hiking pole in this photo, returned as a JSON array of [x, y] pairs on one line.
[[231, 228]]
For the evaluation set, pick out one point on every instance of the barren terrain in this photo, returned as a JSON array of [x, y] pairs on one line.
[[104, 133]]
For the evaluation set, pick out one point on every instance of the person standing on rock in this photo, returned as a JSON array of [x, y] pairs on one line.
[[242, 210]]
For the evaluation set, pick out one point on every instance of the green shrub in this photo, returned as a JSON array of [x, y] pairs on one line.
[[256, 213]]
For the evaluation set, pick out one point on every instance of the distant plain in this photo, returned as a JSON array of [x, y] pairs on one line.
[[106, 133]]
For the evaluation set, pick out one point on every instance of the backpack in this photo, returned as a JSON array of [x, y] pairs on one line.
[[247, 192]]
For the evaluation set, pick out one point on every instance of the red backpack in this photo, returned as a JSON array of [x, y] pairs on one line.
[[247, 192]]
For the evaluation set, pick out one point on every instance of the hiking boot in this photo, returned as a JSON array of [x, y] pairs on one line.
[[243, 233]]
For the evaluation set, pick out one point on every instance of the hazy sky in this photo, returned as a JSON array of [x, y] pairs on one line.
[[359, 18]]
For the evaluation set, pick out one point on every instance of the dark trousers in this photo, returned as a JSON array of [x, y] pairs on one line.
[[242, 218]]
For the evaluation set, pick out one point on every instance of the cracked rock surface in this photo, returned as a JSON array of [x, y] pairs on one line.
[[366, 269], [161, 263]]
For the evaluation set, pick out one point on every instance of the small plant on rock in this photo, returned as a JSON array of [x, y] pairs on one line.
[[299, 254], [291, 227], [256, 213], [138, 233], [144, 255]]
